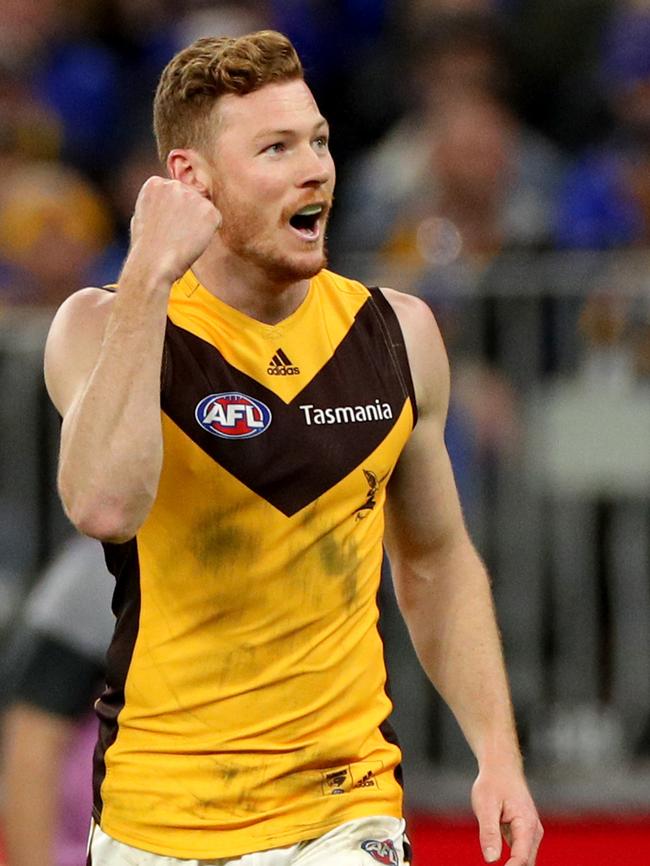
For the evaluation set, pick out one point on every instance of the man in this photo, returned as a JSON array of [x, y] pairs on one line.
[[235, 419], [54, 668]]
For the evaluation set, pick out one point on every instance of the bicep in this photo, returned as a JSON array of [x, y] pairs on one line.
[[423, 511], [73, 345]]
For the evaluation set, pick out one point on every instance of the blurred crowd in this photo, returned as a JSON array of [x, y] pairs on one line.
[[462, 129]]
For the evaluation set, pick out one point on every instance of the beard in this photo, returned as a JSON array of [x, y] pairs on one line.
[[246, 234]]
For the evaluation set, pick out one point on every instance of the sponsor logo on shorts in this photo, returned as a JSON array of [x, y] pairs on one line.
[[233, 415], [383, 852], [280, 365]]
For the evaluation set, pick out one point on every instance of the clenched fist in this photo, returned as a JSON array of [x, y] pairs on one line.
[[172, 226]]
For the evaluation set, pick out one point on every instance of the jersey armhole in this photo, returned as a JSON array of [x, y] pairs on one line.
[[395, 343]]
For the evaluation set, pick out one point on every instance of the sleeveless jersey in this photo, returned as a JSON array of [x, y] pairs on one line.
[[245, 706]]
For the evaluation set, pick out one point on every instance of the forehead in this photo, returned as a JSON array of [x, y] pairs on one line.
[[285, 105]]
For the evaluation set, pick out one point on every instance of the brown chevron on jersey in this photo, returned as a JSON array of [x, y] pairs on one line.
[[303, 453]]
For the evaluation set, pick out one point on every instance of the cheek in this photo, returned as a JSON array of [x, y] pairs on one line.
[[251, 194], [266, 188]]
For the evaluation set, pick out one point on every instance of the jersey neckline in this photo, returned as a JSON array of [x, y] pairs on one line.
[[190, 286]]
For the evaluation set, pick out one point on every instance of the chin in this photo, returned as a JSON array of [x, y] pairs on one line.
[[298, 268]]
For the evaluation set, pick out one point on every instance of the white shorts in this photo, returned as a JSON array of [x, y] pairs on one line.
[[363, 842]]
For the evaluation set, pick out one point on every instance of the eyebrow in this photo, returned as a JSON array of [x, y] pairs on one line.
[[270, 133]]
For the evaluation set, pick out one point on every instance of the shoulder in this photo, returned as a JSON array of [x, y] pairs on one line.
[[74, 339], [412, 312], [87, 306], [425, 348]]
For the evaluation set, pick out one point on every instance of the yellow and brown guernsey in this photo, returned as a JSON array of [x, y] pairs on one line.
[[245, 706]]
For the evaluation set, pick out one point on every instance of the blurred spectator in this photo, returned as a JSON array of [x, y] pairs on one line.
[[476, 201], [473, 200], [459, 131], [606, 201], [52, 672], [53, 226]]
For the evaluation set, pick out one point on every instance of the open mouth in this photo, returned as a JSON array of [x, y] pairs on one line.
[[306, 221]]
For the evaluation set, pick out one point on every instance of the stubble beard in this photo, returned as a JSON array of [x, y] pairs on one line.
[[238, 232], [284, 269]]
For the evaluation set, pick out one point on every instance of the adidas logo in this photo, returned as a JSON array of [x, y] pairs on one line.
[[367, 781], [280, 365]]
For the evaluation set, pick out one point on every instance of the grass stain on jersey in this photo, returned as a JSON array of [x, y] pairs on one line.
[[219, 545], [341, 560]]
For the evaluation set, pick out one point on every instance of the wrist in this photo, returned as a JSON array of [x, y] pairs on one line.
[[500, 751], [150, 271], [504, 761]]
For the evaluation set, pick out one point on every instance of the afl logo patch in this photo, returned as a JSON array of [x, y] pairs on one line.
[[233, 415]]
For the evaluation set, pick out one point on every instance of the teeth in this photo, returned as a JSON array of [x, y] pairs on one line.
[[310, 210]]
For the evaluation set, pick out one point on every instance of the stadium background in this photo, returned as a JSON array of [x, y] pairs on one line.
[[494, 157]]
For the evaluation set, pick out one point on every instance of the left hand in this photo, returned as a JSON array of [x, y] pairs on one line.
[[503, 805]]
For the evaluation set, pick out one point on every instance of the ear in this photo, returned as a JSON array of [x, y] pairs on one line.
[[188, 166]]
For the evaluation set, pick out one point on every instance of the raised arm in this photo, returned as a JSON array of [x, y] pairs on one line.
[[103, 360], [445, 598]]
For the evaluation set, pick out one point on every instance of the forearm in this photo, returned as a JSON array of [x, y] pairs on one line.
[[33, 744], [447, 603], [111, 444]]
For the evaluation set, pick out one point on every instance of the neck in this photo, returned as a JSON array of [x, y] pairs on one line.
[[248, 288]]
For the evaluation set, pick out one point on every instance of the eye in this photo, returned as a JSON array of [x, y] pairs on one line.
[[275, 148], [322, 142]]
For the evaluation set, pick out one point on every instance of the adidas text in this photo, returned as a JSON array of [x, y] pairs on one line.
[[283, 371]]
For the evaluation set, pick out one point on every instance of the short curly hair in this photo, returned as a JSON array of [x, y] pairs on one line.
[[195, 78]]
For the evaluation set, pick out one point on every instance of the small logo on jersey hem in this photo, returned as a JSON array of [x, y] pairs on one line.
[[366, 781], [337, 781], [381, 851], [233, 415], [343, 780], [280, 365]]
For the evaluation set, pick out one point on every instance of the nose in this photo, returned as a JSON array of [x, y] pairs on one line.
[[316, 169]]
